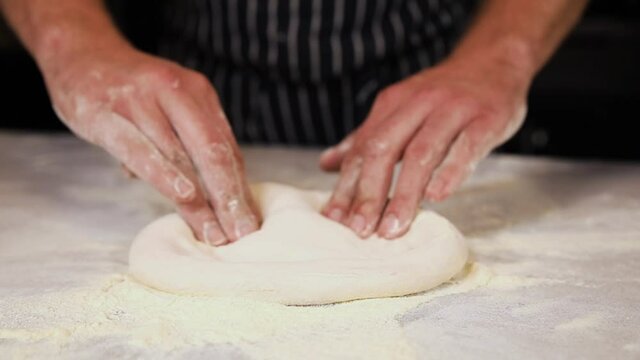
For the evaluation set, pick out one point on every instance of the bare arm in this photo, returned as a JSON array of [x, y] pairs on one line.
[[442, 121], [52, 30], [520, 33], [162, 121]]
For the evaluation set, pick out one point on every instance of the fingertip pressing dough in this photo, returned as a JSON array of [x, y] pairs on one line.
[[298, 257]]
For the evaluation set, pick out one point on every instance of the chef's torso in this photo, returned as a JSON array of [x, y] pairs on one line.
[[306, 71]]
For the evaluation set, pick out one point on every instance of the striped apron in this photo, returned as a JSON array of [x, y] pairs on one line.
[[306, 72]]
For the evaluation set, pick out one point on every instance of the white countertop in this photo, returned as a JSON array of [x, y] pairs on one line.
[[560, 238]]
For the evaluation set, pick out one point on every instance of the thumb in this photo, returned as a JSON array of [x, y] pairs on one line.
[[331, 158]]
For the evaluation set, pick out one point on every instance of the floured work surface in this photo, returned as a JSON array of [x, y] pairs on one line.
[[556, 248]]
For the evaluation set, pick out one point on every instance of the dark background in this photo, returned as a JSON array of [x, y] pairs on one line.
[[583, 104]]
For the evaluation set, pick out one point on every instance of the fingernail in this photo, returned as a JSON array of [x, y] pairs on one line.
[[213, 235], [358, 224], [335, 214], [390, 226], [245, 227], [183, 187]]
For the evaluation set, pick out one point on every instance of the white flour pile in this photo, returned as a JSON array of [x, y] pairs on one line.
[[62, 322]]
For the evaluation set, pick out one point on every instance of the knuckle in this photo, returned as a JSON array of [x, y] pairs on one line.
[[375, 147], [371, 189], [199, 80], [419, 155], [219, 154], [462, 103], [233, 205], [366, 206], [441, 93], [489, 114], [180, 158], [163, 76], [416, 150], [232, 208], [424, 94], [481, 126], [351, 163], [183, 189], [424, 150]]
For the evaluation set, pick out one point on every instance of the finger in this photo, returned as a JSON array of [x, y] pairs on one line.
[[125, 142], [211, 105], [203, 222], [380, 153], [331, 159], [471, 146], [426, 150], [337, 208], [371, 193], [215, 153], [387, 101], [198, 215], [151, 120], [214, 107], [209, 102], [385, 104]]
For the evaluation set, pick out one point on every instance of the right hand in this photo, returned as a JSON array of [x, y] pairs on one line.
[[165, 124]]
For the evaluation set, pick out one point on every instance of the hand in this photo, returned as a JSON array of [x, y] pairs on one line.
[[165, 124], [440, 122]]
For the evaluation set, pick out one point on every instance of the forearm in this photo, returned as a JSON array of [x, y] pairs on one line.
[[520, 34], [55, 31]]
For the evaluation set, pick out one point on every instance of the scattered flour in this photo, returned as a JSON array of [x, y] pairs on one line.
[[561, 239], [581, 323], [148, 318]]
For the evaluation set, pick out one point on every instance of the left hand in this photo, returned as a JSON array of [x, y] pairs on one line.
[[440, 122]]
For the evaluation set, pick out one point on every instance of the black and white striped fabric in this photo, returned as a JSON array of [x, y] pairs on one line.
[[306, 71]]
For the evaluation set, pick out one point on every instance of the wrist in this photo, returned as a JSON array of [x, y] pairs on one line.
[[510, 54], [58, 45]]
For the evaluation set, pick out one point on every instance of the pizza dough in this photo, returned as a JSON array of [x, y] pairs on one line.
[[298, 257]]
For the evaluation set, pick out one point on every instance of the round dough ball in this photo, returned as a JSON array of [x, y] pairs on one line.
[[298, 257]]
